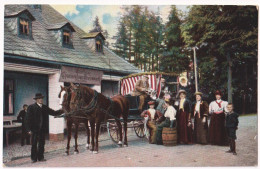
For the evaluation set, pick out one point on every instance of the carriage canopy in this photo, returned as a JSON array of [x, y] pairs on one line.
[[127, 83]]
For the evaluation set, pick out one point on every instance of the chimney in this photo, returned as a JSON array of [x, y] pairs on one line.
[[37, 7]]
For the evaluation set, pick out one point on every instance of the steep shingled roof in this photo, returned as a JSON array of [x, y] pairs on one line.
[[44, 45]]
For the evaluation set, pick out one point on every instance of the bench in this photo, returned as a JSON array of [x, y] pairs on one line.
[[10, 125]]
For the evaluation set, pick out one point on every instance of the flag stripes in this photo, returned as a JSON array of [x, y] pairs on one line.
[[128, 85]]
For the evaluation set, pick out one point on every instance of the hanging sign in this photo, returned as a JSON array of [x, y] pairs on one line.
[[80, 75]]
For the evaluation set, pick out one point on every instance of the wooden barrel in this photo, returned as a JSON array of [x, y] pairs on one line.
[[169, 136]]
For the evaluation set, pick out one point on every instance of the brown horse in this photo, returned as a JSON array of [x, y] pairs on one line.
[[64, 95], [97, 108]]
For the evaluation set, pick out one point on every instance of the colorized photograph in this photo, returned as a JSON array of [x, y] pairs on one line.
[[130, 85]]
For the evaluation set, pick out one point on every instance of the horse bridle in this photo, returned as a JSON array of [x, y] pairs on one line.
[[78, 96]]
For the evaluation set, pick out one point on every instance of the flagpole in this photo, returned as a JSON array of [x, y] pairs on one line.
[[195, 69]]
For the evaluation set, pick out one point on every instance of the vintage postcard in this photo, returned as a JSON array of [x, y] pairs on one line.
[[130, 85]]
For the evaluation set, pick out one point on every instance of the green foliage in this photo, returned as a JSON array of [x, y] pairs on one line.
[[216, 31], [219, 31], [174, 60], [141, 37]]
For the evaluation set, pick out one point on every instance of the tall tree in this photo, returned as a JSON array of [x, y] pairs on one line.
[[98, 28], [122, 41], [173, 59], [227, 40]]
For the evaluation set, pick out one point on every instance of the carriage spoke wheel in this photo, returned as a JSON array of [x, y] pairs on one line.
[[113, 132], [139, 129]]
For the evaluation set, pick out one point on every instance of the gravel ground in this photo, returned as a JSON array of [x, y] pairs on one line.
[[141, 154], [16, 151]]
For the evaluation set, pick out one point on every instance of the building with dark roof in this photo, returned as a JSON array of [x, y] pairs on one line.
[[43, 50]]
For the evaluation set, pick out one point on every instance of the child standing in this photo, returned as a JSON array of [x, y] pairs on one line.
[[231, 126], [153, 117]]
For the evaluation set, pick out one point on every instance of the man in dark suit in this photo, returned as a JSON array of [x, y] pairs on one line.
[[36, 125], [21, 118]]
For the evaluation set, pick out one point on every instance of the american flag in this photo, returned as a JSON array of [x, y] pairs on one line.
[[128, 84]]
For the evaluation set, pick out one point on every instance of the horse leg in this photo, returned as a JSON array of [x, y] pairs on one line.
[[88, 135], [120, 132], [92, 125], [76, 151], [97, 134], [69, 126], [125, 129]]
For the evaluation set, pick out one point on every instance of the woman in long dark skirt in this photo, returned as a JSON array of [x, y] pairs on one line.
[[217, 131], [184, 129], [200, 112]]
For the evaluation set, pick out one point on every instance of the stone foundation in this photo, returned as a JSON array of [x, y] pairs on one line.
[[56, 137]]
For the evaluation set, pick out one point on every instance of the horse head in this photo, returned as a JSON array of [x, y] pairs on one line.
[[80, 96], [64, 96]]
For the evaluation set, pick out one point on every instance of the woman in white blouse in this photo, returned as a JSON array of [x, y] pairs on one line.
[[170, 120]]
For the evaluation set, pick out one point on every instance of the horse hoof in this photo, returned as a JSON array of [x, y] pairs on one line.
[[87, 146], [95, 152], [120, 144], [125, 145], [67, 153], [76, 152]]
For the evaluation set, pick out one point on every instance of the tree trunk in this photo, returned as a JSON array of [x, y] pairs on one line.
[[149, 64], [130, 37], [229, 85], [152, 63]]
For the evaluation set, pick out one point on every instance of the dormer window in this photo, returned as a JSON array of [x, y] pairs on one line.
[[66, 37], [96, 39], [24, 23], [99, 46], [24, 27], [64, 32]]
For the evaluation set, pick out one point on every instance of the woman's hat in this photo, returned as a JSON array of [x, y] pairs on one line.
[[38, 96], [151, 102], [198, 93], [218, 93], [181, 91]]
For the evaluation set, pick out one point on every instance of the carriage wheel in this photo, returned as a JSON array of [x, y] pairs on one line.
[[139, 129], [113, 132]]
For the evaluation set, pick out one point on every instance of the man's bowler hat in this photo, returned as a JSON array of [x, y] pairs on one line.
[[38, 96]]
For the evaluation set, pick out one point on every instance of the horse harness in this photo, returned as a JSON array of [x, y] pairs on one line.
[[92, 105]]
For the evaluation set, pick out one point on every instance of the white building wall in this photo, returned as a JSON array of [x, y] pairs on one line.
[[97, 88], [56, 125]]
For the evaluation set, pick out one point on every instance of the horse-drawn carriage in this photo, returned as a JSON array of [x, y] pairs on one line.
[[82, 102], [127, 85]]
